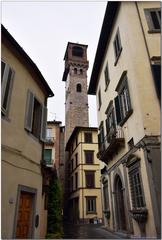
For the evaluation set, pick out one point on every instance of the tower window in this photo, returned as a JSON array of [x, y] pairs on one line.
[[81, 71], [77, 51], [75, 70], [78, 87]]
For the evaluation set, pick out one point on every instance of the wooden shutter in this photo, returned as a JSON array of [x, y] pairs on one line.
[[113, 118], [43, 124], [7, 82], [156, 69], [29, 111], [117, 109]]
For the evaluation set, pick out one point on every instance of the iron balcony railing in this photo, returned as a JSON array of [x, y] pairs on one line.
[[111, 143], [49, 162], [50, 140]]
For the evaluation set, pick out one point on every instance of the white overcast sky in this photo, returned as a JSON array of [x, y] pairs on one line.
[[43, 30]]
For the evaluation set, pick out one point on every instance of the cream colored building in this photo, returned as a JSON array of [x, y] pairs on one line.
[[83, 176], [126, 80], [23, 108]]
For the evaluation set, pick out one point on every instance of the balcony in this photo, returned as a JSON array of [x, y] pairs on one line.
[[50, 141], [48, 162], [111, 144]]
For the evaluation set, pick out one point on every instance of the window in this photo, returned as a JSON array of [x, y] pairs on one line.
[[156, 69], [76, 180], [76, 159], [117, 46], [136, 185], [78, 87], [90, 179], [131, 143], [72, 183], [153, 17], [75, 70], [122, 101], [105, 195], [36, 117], [7, 75], [48, 156], [101, 137], [99, 99], [107, 77], [76, 141], [88, 137], [91, 204], [89, 156], [69, 168], [81, 71], [48, 133], [110, 122], [72, 165], [77, 51]]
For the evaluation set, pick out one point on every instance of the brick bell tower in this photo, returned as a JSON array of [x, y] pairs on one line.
[[75, 77]]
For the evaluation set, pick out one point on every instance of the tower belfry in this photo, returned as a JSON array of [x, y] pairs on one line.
[[75, 76]]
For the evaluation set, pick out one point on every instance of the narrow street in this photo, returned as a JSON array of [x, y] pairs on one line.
[[88, 231]]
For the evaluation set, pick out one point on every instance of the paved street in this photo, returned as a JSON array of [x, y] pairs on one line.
[[88, 231]]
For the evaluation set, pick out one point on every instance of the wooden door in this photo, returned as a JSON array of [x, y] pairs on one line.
[[120, 209], [24, 222]]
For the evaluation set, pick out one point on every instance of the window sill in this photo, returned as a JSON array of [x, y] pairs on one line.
[[154, 31], [117, 58], [33, 136], [91, 212], [5, 117], [126, 117]]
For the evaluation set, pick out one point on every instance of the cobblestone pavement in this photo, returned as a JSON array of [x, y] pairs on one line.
[[88, 231]]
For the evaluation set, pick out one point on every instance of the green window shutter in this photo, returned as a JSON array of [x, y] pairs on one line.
[[29, 111], [48, 156], [43, 124]]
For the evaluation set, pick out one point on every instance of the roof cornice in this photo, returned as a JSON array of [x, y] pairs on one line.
[[105, 34], [40, 79]]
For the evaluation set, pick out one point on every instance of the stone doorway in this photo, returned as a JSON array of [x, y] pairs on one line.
[[119, 205]]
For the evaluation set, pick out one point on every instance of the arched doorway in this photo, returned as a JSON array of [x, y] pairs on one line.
[[119, 205]]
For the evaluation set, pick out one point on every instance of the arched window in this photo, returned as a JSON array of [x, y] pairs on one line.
[[78, 87], [75, 70], [81, 71]]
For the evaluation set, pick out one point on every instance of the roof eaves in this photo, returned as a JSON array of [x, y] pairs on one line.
[[109, 17], [20, 50]]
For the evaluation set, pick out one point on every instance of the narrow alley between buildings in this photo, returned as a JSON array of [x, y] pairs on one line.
[[89, 231]]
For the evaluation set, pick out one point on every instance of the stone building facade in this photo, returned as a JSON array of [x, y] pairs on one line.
[[126, 78], [75, 76]]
